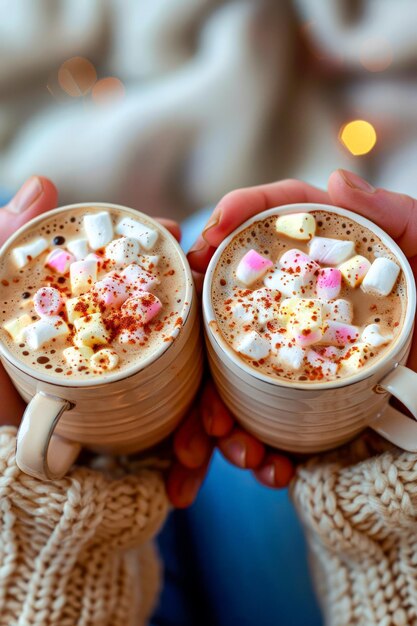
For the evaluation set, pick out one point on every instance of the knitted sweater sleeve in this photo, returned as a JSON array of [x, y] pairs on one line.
[[359, 509], [77, 551]]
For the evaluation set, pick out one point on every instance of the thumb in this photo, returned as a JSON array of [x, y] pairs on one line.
[[395, 213]]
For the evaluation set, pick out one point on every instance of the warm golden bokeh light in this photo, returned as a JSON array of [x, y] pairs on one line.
[[358, 136], [76, 76], [108, 89], [376, 54]]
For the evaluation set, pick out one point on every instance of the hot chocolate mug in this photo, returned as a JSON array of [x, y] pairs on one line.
[[126, 411], [311, 417]]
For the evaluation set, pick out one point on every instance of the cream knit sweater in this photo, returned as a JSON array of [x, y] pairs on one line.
[[359, 508], [77, 551]]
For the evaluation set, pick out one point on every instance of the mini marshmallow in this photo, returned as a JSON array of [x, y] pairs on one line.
[[339, 334], [301, 226], [372, 336], [139, 279], [44, 330], [78, 357], [104, 360], [287, 284], [59, 260], [253, 346], [354, 270], [122, 251], [252, 267], [144, 307], [339, 311], [146, 236], [355, 358], [287, 307], [91, 330], [381, 277], [305, 322], [16, 327], [80, 307], [296, 262], [98, 228], [48, 301], [266, 305], [330, 352], [149, 262], [92, 256], [79, 248], [111, 291], [320, 362], [244, 312], [83, 274], [291, 356], [134, 336], [23, 254], [331, 251], [329, 283]]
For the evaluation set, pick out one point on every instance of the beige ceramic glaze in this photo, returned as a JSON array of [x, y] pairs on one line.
[[124, 412], [312, 417]]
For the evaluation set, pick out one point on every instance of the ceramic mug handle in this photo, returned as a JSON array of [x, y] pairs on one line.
[[392, 424], [39, 452]]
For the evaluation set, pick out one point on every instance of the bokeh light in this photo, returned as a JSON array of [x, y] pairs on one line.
[[358, 136], [76, 76], [376, 54], [108, 89]]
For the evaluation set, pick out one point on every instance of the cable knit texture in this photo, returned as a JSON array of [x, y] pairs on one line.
[[77, 551], [359, 510]]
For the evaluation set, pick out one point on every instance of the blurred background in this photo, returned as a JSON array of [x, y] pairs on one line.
[[165, 105]]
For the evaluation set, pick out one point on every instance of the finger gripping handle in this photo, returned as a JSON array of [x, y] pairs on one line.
[[39, 452]]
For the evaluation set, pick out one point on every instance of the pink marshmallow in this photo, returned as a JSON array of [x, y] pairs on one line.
[[59, 260], [339, 334], [308, 337], [48, 301], [138, 279], [145, 307], [252, 267], [329, 283], [111, 291], [299, 264]]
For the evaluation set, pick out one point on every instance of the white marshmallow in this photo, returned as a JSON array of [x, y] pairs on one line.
[[354, 270], [331, 251], [291, 356], [305, 322], [139, 279], [372, 336], [134, 336], [149, 262], [146, 235], [339, 334], [16, 327], [98, 228], [381, 277], [266, 303], [91, 330], [355, 358], [79, 248], [44, 330], [83, 275], [252, 266], [253, 346], [24, 254], [325, 365], [122, 251], [92, 256], [80, 307], [78, 357], [339, 311], [296, 262], [288, 284], [104, 360], [278, 340], [48, 301], [301, 226]]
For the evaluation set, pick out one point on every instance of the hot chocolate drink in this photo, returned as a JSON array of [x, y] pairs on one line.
[[309, 297], [89, 292]]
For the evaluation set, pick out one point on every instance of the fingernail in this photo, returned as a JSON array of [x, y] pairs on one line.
[[213, 221], [236, 451], [267, 474], [356, 182], [197, 247], [26, 196]]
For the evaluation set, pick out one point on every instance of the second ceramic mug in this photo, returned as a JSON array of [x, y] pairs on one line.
[[312, 417], [127, 411]]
